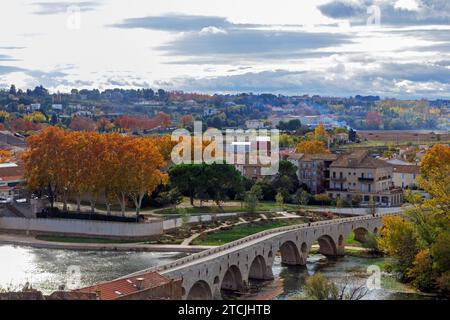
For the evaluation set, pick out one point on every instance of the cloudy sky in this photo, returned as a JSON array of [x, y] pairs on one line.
[[392, 48]]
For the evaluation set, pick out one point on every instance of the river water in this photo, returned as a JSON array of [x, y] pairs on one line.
[[348, 270], [47, 269]]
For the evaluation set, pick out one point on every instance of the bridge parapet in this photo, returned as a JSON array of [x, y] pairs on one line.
[[258, 235]]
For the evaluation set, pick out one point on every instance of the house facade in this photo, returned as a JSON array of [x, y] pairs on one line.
[[405, 176], [362, 177], [313, 170], [11, 178]]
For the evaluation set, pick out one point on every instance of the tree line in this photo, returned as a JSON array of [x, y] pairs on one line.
[[64, 164]]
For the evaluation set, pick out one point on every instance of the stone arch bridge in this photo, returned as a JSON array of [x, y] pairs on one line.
[[231, 267]]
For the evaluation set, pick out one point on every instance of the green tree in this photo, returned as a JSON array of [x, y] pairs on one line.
[[280, 200], [302, 197], [251, 202]]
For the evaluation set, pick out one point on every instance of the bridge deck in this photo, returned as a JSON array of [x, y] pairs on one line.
[[237, 245]]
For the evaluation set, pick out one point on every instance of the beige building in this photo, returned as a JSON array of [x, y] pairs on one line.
[[404, 176], [360, 176], [250, 171], [313, 170]]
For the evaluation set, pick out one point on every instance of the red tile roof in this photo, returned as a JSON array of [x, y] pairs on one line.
[[359, 159], [11, 173], [122, 287]]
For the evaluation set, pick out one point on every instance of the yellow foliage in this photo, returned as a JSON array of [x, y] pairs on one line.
[[312, 147], [5, 156], [397, 237], [36, 117], [320, 132], [435, 177]]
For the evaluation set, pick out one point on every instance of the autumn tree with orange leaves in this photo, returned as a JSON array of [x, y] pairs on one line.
[[66, 164]]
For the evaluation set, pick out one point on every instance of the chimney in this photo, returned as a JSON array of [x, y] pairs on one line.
[[140, 283]]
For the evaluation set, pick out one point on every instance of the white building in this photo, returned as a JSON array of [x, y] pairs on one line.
[[210, 111], [254, 124], [33, 107]]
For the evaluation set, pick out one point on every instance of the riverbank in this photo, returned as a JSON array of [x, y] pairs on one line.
[[29, 241]]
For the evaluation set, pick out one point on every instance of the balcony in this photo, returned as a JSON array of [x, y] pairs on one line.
[[337, 189], [338, 179], [365, 179]]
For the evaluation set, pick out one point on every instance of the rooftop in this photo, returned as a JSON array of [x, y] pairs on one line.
[[359, 159], [122, 287], [310, 157], [406, 169], [11, 171]]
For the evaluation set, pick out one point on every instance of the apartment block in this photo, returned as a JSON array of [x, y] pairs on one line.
[[360, 176]]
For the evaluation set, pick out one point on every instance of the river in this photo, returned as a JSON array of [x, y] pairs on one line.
[[349, 270], [47, 269]]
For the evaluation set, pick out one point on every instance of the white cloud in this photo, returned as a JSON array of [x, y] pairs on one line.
[[180, 43], [212, 30], [410, 5]]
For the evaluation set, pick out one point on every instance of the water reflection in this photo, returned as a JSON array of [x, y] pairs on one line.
[[347, 269], [45, 269]]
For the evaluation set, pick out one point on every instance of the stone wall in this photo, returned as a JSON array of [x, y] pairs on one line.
[[82, 227]]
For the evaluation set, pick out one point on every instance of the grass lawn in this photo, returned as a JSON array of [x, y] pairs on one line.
[[81, 239], [262, 206], [352, 242], [240, 231]]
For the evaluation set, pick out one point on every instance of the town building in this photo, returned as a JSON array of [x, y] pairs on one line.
[[255, 124], [33, 107], [207, 112], [146, 286], [11, 178], [57, 106], [250, 171], [313, 170], [404, 176], [360, 176]]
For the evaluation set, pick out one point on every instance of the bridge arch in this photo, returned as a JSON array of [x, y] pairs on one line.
[[360, 234], [290, 255], [200, 291], [232, 279], [259, 269], [327, 246]]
